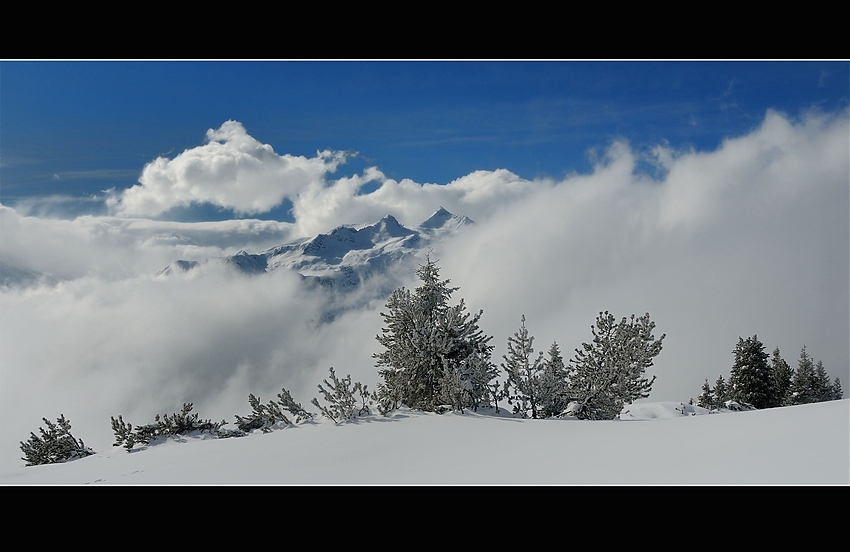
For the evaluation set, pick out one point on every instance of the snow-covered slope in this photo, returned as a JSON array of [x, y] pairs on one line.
[[658, 444], [346, 255]]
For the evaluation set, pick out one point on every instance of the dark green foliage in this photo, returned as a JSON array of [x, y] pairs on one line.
[[55, 445], [783, 375], [822, 388], [755, 383], [265, 416], [752, 378], [706, 398], [803, 386], [721, 392], [176, 424], [262, 417], [343, 397], [837, 394]]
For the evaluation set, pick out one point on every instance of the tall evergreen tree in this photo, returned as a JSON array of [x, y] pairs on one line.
[[524, 373], [553, 386], [803, 385], [431, 349], [822, 388], [783, 375], [751, 378]]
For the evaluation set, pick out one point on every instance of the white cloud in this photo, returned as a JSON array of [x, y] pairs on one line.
[[750, 239], [232, 170]]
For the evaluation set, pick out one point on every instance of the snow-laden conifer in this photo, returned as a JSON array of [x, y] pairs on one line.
[[434, 353], [608, 373], [751, 377], [523, 373], [706, 397], [803, 385], [783, 375], [837, 393], [553, 383], [721, 392]]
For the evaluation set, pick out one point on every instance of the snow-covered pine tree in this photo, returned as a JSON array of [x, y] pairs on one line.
[[553, 383], [609, 372], [706, 397], [721, 392], [783, 375], [822, 386], [431, 349], [802, 387], [524, 374], [751, 378], [837, 393]]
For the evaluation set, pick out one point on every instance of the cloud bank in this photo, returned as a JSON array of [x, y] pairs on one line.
[[750, 238]]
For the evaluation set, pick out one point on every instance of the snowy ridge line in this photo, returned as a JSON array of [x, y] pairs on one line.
[[345, 255]]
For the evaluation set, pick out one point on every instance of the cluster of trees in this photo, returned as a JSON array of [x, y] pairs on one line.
[[762, 384], [436, 358]]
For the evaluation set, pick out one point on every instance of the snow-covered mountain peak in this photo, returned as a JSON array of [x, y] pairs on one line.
[[442, 219], [347, 254]]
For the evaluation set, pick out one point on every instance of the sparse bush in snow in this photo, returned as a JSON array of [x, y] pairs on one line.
[[265, 416], [343, 398], [55, 445], [262, 416], [177, 424], [288, 403]]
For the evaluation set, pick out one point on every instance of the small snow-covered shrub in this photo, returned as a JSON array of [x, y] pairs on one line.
[[343, 402], [55, 445], [738, 406], [176, 424], [262, 417], [265, 416]]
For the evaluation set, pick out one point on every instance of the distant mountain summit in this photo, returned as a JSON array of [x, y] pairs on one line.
[[443, 220], [346, 255]]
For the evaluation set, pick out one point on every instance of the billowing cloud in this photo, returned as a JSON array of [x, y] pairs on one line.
[[752, 238], [113, 248], [231, 170]]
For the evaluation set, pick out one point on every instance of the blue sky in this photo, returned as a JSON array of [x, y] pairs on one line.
[[75, 129]]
